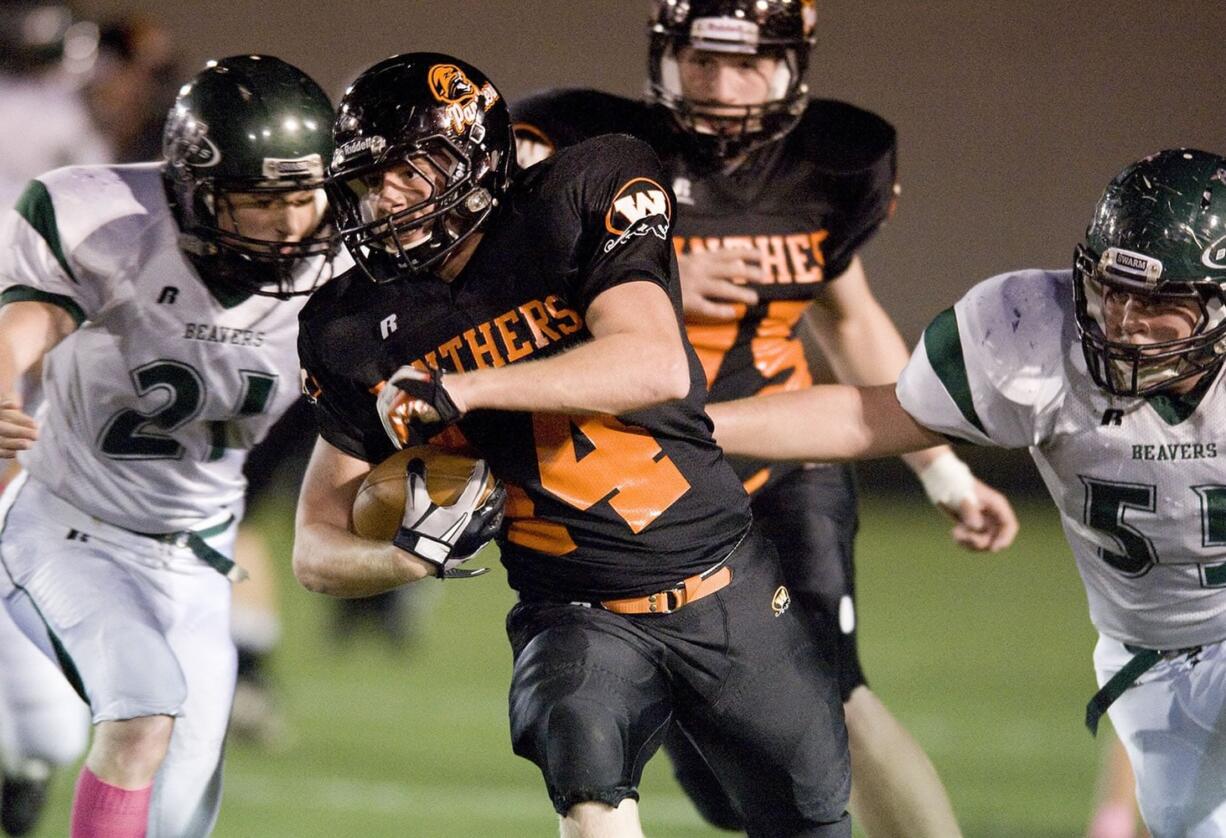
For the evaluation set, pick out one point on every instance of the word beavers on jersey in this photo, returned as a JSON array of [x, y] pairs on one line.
[[508, 337], [223, 334], [1175, 451]]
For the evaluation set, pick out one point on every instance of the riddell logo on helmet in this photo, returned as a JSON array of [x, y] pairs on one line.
[[449, 85], [723, 32]]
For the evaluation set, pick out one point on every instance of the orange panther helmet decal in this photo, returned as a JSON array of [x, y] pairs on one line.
[[449, 85]]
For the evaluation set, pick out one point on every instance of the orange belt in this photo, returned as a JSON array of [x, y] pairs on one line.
[[666, 602]]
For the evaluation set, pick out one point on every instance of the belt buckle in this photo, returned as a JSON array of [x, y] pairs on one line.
[[671, 600], [180, 539]]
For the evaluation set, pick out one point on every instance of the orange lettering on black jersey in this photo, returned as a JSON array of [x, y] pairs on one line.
[[795, 258], [567, 320], [538, 320], [621, 463], [484, 351], [510, 340], [804, 269], [815, 246], [775, 266], [452, 350]]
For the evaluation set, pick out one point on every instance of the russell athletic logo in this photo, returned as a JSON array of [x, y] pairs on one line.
[[641, 207]]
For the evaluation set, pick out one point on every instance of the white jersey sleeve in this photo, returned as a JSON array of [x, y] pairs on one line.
[[45, 250], [989, 369]]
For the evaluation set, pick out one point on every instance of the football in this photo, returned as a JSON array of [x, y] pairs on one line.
[[379, 505]]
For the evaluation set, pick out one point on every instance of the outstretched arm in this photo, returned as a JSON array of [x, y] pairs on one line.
[[838, 422], [831, 422]]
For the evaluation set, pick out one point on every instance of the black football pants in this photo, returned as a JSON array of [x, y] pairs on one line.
[[594, 692]]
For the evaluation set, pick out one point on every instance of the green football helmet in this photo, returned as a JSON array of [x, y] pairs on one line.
[[256, 127], [1158, 234]]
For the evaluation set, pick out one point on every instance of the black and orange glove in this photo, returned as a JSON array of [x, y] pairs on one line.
[[414, 398]]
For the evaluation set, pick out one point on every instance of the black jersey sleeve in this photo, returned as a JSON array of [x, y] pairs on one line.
[[615, 187], [344, 411], [855, 162]]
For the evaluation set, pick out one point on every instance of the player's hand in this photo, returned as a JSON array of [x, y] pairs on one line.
[[448, 536], [17, 430], [413, 397], [708, 292], [985, 520]]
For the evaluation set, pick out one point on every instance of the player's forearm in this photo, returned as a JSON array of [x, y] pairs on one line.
[[28, 330], [611, 374], [863, 348], [866, 349], [824, 423], [331, 560]]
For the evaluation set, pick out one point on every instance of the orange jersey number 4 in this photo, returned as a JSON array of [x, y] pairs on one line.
[[585, 459]]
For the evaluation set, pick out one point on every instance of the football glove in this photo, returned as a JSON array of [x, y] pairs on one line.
[[414, 397], [448, 536]]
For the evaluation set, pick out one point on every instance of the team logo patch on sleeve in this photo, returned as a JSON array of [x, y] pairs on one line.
[[641, 207]]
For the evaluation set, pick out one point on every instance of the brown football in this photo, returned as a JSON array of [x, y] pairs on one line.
[[379, 506]]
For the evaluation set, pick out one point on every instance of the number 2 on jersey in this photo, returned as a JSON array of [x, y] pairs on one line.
[[584, 460], [132, 435]]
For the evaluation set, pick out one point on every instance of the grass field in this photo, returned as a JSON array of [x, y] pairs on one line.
[[985, 659]]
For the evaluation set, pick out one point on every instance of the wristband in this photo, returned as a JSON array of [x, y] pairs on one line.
[[947, 480]]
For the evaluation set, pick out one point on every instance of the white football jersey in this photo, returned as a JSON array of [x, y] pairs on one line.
[[1140, 483], [151, 405]]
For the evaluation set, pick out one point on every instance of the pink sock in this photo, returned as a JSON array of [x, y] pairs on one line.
[[100, 810]]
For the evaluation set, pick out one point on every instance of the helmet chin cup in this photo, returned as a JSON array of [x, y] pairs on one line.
[[478, 200]]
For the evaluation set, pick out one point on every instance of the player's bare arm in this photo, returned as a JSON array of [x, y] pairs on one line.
[[864, 347], [328, 557], [826, 423], [635, 359], [28, 330]]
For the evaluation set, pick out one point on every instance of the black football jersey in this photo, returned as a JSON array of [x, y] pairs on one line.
[[598, 506], [805, 204]]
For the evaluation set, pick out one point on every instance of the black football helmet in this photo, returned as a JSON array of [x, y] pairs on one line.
[[430, 119], [1158, 233], [257, 125], [785, 29]]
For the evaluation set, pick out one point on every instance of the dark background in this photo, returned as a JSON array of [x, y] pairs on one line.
[[1011, 116]]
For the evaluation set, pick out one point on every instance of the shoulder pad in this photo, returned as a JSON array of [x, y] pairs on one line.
[[838, 137], [567, 116]]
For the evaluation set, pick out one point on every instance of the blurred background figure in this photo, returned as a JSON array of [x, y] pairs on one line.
[[131, 86], [45, 55]]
